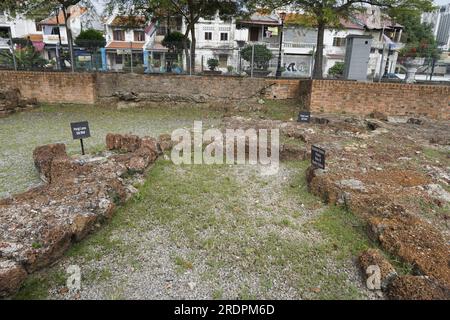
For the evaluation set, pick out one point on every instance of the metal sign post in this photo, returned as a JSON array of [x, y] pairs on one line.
[[80, 130]]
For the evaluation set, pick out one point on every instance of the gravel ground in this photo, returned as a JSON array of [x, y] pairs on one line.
[[264, 246], [20, 133], [192, 232]]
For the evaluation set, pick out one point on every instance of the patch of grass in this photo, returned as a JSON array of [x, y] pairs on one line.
[[37, 285], [282, 109], [183, 264], [298, 188], [245, 294], [217, 294], [97, 275], [51, 124], [346, 232], [434, 154], [36, 245], [285, 140]]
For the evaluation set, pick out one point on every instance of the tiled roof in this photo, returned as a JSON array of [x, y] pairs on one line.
[[157, 47], [256, 18], [129, 21], [74, 11], [125, 45]]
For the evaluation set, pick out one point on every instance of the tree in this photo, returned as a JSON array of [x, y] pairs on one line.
[[261, 55], [417, 36], [174, 41], [42, 8], [90, 39], [323, 14], [27, 58], [190, 10]]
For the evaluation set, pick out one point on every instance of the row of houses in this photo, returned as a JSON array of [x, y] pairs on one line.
[[138, 40]]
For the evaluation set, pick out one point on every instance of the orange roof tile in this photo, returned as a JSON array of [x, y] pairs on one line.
[[74, 11], [129, 21], [125, 45]]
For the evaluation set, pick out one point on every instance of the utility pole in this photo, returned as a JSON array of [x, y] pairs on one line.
[[278, 72]]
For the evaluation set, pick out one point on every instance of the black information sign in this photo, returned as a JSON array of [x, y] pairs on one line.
[[304, 116], [80, 130], [318, 157]]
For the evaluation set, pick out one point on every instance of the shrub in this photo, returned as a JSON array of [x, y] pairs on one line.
[[337, 69], [262, 55], [90, 39], [212, 64]]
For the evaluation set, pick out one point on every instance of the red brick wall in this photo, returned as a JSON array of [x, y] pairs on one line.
[[316, 95], [390, 98], [52, 87], [282, 89]]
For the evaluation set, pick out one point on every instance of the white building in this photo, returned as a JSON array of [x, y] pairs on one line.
[[440, 22], [54, 30], [125, 40], [19, 27]]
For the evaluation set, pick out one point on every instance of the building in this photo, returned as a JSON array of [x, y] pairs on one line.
[[54, 29], [125, 40], [440, 22], [19, 27]]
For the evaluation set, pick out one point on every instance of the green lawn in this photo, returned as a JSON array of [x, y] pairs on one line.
[[20, 133]]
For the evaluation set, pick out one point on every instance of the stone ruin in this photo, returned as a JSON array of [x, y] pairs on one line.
[[11, 101], [80, 193]]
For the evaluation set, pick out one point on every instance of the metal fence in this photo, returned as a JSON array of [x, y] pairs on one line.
[[252, 60], [248, 60]]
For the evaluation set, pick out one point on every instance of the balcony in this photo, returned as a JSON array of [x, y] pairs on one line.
[[289, 47], [54, 39]]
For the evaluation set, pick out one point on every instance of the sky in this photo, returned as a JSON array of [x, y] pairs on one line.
[[441, 2]]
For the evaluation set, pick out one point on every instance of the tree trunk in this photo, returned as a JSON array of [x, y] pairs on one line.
[[318, 57], [192, 62], [186, 50], [69, 39]]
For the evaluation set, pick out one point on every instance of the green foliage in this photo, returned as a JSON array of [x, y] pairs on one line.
[[27, 58], [174, 41], [212, 64], [337, 69], [418, 36], [90, 39], [262, 55]]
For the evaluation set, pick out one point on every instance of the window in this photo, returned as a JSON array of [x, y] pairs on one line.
[[208, 35], [223, 60], [119, 59], [38, 26], [139, 36], [338, 42], [161, 31], [119, 35], [223, 36], [55, 31]]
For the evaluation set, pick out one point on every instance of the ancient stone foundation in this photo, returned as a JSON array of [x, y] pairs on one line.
[[11, 101], [38, 226]]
